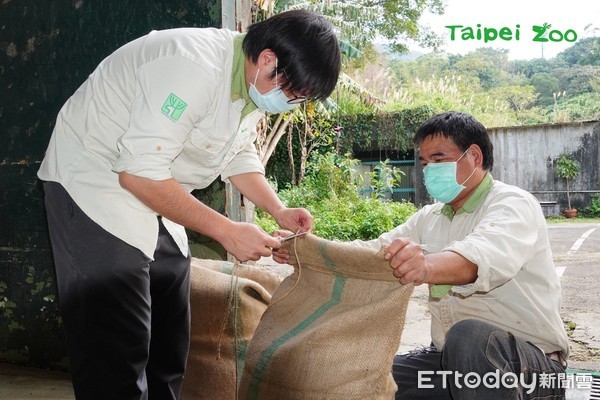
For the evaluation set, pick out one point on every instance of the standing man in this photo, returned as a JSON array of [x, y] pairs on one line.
[[164, 115]]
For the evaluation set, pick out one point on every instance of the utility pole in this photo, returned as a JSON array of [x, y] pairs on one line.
[[542, 44]]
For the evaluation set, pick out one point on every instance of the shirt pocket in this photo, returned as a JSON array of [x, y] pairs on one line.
[[208, 149]]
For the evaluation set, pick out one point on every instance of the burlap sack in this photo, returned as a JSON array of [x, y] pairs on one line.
[[332, 329], [223, 324]]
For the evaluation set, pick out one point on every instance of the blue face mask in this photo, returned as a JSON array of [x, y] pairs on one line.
[[275, 101], [440, 180]]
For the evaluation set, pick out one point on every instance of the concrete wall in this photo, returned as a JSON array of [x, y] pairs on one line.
[[526, 157]]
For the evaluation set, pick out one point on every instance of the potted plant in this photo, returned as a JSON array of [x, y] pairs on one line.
[[567, 169]]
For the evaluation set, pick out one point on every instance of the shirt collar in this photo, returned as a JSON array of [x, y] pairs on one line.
[[239, 90], [479, 194]]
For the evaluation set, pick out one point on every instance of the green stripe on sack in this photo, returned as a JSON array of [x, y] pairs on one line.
[[326, 259], [265, 358]]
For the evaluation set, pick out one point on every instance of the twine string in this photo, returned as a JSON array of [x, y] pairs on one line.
[[233, 306], [299, 275], [231, 309]]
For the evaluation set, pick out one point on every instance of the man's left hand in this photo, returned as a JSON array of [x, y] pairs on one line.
[[294, 219], [407, 261]]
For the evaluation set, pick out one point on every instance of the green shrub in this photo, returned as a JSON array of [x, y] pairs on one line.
[[594, 208], [331, 193]]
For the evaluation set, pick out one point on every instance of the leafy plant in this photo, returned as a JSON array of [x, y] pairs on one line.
[[594, 208], [383, 179], [567, 168], [331, 193]]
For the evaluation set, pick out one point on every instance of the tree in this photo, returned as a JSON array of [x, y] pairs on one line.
[[498, 57], [484, 65], [577, 79], [397, 21], [308, 124], [529, 67], [583, 52], [567, 168], [269, 135], [519, 98], [583, 107], [423, 67], [361, 21], [545, 84]]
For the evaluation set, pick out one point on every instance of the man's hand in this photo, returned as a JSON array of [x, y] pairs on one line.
[[282, 256], [248, 242], [294, 219], [408, 262], [255, 188]]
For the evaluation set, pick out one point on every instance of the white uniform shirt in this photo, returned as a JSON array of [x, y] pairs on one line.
[[517, 287], [159, 107]]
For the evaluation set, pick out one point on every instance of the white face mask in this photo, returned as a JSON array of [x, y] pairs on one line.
[[274, 101]]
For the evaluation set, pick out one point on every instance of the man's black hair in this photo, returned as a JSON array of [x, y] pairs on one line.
[[307, 50], [463, 129]]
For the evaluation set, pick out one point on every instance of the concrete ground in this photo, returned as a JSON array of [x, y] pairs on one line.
[[576, 249], [21, 383]]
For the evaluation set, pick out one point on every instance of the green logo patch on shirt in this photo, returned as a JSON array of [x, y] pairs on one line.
[[173, 107]]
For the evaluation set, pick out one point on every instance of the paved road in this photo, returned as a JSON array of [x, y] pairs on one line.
[[576, 249]]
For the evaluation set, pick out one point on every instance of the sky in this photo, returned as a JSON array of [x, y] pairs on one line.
[[562, 15]]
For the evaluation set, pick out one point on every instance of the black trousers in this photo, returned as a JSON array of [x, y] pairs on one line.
[[126, 317], [479, 361]]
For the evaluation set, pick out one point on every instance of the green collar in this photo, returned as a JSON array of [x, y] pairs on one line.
[[480, 192], [239, 90]]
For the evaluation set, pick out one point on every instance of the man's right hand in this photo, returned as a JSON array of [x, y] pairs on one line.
[[248, 242]]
